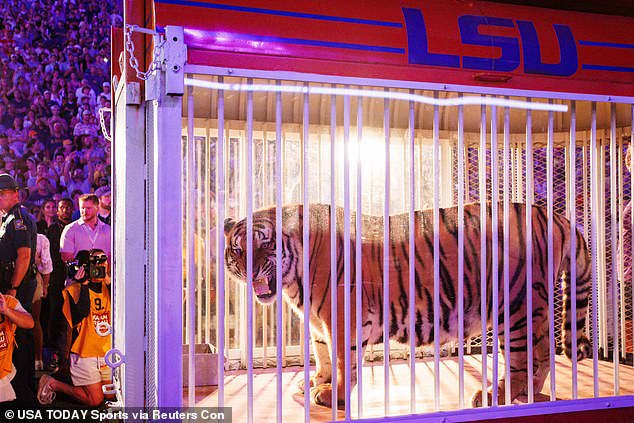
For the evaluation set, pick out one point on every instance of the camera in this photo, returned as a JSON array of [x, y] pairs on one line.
[[93, 262]]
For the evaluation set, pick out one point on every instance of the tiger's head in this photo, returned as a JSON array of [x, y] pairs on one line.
[[264, 255]]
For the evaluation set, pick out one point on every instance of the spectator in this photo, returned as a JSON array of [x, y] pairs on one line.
[[78, 182], [43, 192], [57, 335], [44, 268], [104, 204]]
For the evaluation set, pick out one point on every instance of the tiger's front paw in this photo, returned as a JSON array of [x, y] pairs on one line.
[[315, 380], [476, 399], [322, 395]]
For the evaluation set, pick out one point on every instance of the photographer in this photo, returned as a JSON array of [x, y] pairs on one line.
[[87, 310]]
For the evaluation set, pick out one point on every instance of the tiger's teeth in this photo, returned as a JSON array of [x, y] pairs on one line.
[[261, 286]]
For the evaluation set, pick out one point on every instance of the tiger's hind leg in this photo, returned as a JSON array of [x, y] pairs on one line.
[[518, 381], [323, 365], [541, 363]]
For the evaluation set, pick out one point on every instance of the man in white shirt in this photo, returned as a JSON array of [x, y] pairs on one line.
[[87, 232]]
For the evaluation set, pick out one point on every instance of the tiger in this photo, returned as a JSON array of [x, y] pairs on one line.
[[372, 247]]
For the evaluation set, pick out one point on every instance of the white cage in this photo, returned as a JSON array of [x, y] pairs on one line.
[[243, 140]]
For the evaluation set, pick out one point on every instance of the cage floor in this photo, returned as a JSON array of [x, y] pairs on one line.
[[265, 388]]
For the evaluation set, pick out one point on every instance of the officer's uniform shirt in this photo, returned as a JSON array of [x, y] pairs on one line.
[[18, 230]]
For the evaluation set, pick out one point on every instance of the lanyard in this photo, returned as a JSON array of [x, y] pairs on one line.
[[92, 235]]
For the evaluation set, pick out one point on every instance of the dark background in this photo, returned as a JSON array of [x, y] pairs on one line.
[[608, 7]]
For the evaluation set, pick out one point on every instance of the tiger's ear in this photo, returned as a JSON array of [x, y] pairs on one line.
[[229, 224]]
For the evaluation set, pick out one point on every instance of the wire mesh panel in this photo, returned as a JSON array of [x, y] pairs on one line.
[[373, 186]]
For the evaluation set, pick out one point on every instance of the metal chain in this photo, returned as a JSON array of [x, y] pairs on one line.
[[134, 63], [102, 122]]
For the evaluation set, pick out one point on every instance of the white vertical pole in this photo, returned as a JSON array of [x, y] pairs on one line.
[[529, 252], [613, 225], [495, 252], [461, 185], [249, 193], [594, 193], [483, 249], [573, 243], [306, 255], [412, 262], [386, 260], [334, 282], [551, 278], [359, 261], [630, 250], [621, 279], [207, 177], [166, 259], [220, 242], [279, 304], [346, 251], [198, 190], [586, 185], [191, 263], [506, 270], [436, 218]]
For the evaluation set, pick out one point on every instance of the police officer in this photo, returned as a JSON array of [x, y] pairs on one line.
[[18, 238]]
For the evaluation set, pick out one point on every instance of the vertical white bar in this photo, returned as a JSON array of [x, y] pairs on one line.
[[630, 250], [412, 261], [220, 242], [279, 304], [594, 193], [483, 249], [191, 263], [551, 276], [264, 196], [334, 282], [346, 252], [529, 252], [613, 226], [461, 185], [249, 194], [359, 261], [621, 279], [573, 243], [306, 252], [495, 253], [198, 189], [603, 245], [586, 186], [436, 218], [506, 270], [386, 260], [207, 230]]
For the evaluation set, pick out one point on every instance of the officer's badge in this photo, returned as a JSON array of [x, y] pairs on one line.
[[19, 225]]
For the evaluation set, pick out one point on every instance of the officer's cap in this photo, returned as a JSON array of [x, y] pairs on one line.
[[7, 182]]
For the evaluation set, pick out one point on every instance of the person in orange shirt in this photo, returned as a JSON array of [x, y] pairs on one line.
[[12, 316], [88, 311]]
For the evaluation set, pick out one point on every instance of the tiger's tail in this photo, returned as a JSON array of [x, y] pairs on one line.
[[583, 287]]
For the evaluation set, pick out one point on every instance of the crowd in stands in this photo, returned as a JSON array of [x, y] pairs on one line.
[[54, 78], [54, 95]]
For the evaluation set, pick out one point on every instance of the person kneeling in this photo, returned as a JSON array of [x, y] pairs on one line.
[[87, 310]]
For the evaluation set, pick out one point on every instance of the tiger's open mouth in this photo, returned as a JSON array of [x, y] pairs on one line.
[[264, 289]]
